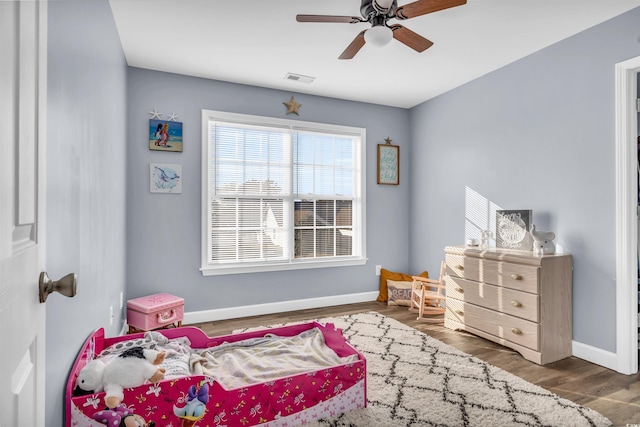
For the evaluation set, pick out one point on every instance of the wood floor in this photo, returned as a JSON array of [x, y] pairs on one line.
[[614, 395]]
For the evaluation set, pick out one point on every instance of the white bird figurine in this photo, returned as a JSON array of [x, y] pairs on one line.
[[542, 241]]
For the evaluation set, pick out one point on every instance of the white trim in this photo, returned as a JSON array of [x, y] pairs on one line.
[[594, 355], [626, 217], [275, 307], [260, 268], [42, 93]]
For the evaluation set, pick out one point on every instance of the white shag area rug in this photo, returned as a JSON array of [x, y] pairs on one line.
[[416, 380]]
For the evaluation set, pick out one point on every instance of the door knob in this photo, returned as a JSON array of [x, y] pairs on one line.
[[66, 286]]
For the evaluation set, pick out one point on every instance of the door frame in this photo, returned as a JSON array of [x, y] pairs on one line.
[[626, 158]]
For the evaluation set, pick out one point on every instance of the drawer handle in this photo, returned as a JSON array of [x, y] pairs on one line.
[[516, 304], [460, 312], [516, 277], [460, 290], [460, 267], [516, 331]]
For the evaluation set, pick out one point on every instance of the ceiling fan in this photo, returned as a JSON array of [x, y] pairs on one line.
[[377, 13]]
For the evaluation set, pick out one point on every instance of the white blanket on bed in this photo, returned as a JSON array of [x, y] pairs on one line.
[[266, 358]]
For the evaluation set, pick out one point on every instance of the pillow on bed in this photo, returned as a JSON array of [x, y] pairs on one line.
[[119, 347], [385, 275], [399, 293]]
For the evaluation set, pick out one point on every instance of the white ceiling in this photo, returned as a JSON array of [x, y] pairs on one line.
[[257, 42]]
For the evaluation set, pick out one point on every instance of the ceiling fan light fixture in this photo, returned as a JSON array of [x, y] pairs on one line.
[[379, 35]]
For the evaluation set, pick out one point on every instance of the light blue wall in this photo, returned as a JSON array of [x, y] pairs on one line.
[[163, 231], [86, 177], [537, 134]]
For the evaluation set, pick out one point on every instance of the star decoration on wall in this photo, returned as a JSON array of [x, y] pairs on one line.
[[388, 140], [155, 114], [292, 106], [173, 117]]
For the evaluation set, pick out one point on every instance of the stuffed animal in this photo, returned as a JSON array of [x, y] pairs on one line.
[[90, 378], [121, 416], [130, 369]]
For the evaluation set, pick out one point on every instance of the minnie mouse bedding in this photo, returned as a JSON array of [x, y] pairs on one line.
[[284, 376]]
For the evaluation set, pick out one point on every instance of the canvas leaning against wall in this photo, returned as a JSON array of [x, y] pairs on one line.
[[165, 135], [512, 229]]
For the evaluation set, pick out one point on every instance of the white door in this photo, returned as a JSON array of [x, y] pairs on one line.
[[23, 78]]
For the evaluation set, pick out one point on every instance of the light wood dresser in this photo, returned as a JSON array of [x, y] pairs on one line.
[[514, 298]]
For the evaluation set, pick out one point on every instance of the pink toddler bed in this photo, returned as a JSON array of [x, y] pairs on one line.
[[283, 376]]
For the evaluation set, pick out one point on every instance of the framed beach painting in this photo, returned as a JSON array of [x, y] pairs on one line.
[[165, 135], [165, 178], [388, 164]]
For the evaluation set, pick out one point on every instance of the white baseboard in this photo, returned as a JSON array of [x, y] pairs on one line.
[[595, 355], [275, 307]]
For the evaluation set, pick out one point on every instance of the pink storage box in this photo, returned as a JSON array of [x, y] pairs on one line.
[[154, 312]]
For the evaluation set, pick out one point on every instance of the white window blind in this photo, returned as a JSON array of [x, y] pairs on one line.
[[280, 195]]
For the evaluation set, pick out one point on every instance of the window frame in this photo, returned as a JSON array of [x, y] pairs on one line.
[[359, 239]]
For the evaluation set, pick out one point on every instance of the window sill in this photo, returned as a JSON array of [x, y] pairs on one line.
[[261, 268]]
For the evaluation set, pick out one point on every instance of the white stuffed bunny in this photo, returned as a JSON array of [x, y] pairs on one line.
[[130, 369]]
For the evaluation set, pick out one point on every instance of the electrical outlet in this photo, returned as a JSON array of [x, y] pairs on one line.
[[110, 315], [378, 267]]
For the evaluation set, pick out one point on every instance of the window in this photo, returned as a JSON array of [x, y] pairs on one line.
[[280, 194]]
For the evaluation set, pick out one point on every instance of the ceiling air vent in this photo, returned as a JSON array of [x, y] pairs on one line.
[[299, 78]]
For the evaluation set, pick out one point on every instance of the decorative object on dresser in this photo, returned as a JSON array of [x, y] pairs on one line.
[[511, 297], [487, 236], [512, 229], [542, 241]]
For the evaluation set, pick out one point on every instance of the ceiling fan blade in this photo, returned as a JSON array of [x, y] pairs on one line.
[[422, 7], [413, 40], [354, 47], [329, 18]]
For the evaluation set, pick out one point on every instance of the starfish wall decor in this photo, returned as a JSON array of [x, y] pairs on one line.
[[292, 106], [155, 114]]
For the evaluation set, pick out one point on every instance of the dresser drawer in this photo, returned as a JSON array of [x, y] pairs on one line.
[[505, 300], [510, 275], [501, 325]]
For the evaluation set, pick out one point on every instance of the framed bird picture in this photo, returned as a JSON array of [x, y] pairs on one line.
[[165, 178]]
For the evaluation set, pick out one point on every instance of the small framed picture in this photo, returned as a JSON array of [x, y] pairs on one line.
[[165, 135], [165, 178], [388, 164]]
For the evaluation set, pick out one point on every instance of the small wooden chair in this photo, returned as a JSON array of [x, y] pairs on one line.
[[427, 296]]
